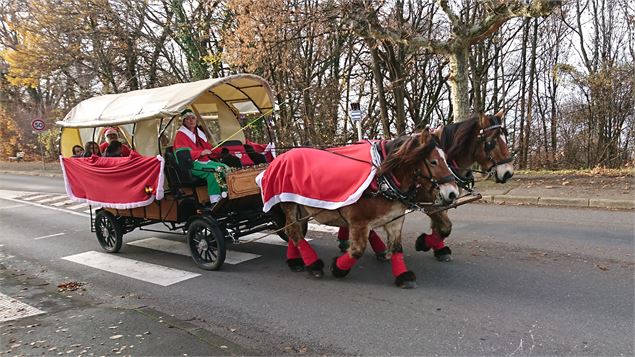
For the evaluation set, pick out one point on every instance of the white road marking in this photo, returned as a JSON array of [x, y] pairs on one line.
[[33, 198], [81, 205], [12, 309], [43, 206], [49, 236], [151, 273], [10, 207], [51, 199], [181, 248], [270, 239], [323, 228], [67, 202]]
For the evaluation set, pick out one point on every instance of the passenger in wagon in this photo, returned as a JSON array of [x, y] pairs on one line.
[[114, 149], [190, 137], [112, 134], [78, 151], [91, 148]]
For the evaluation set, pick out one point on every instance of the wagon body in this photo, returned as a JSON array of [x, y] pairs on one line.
[[147, 121]]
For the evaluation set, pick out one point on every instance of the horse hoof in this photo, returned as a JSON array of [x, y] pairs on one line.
[[420, 243], [337, 272], [296, 264], [343, 245], [444, 258], [406, 280], [382, 257], [443, 255], [409, 285], [316, 269]]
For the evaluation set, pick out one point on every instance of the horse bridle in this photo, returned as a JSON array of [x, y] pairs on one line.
[[388, 188], [489, 144]]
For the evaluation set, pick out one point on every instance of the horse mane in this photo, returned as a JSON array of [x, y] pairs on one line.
[[459, 139], [405, 151]]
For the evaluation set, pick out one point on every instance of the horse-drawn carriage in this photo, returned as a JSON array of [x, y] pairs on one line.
[[154, 185]]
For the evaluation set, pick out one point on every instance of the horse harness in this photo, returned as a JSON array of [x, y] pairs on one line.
[[388, 185], [466, 181], [490, 143]]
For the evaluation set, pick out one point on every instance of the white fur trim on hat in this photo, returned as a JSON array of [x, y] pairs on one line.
[[111, 131]]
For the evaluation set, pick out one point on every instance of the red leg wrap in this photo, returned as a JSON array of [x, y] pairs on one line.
[[342, 234], [398, 265], [309, 256], [376, 243], [292, 251], [434, 241], [345, 262]]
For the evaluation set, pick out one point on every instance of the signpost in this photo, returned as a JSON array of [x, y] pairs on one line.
[[356, 116], [38, 126]]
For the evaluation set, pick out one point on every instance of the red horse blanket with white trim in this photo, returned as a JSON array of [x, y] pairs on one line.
[[328, 179], [115, 182]]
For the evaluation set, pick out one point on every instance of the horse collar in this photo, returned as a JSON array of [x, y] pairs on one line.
[[388, 185]]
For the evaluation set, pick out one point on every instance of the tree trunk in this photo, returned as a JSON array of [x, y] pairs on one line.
[[381, 95], [530, 98], [459, 83]]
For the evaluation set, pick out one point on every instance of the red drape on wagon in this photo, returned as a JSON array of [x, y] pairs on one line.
[[115, 182]]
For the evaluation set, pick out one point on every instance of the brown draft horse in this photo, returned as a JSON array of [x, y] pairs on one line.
[[418, 165], [481, 139]]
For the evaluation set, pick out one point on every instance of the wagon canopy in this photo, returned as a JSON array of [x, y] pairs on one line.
[[241, 90]]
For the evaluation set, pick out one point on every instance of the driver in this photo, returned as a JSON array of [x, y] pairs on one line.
[[111, 135], [190, 137]]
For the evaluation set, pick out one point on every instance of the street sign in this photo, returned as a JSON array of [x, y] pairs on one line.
[[355, 113], [38, 124]]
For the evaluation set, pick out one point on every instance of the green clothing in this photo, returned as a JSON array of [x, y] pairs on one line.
[[203, 170]]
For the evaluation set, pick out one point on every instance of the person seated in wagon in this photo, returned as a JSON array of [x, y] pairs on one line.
[[191, 137], [112, 134]]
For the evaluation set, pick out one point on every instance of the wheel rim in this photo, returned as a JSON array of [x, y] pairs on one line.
[[205, 246], [108, 233]]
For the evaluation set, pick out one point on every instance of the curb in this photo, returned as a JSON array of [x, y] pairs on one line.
[[561, 201], [32, 173]]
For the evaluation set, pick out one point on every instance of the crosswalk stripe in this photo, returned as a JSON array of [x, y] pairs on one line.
[[67, 202], [12, 309], [33, 198], [52, 199], [181, 248], [148, 272], [29, 194], [81, 205], [323, 228], [267, 238]]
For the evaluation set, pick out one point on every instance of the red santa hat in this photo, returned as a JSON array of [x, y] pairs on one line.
[[111, 131]]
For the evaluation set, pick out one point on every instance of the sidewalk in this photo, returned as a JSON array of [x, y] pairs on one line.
[[558, 190], [613, 192]]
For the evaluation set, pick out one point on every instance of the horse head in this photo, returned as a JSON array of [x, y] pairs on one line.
[[492, 152], [417, 162]]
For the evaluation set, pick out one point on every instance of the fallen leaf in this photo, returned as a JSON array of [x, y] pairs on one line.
[[602, 267], [114, 337]]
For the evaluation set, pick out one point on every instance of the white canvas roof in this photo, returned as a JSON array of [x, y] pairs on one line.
[[145, 104]]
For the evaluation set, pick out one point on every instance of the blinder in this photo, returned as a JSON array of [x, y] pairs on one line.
[[489, 143]]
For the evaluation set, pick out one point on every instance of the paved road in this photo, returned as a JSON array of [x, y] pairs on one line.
[[524, 280]]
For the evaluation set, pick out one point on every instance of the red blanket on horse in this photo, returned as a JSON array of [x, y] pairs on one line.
[[329, 179], [115, 182]]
